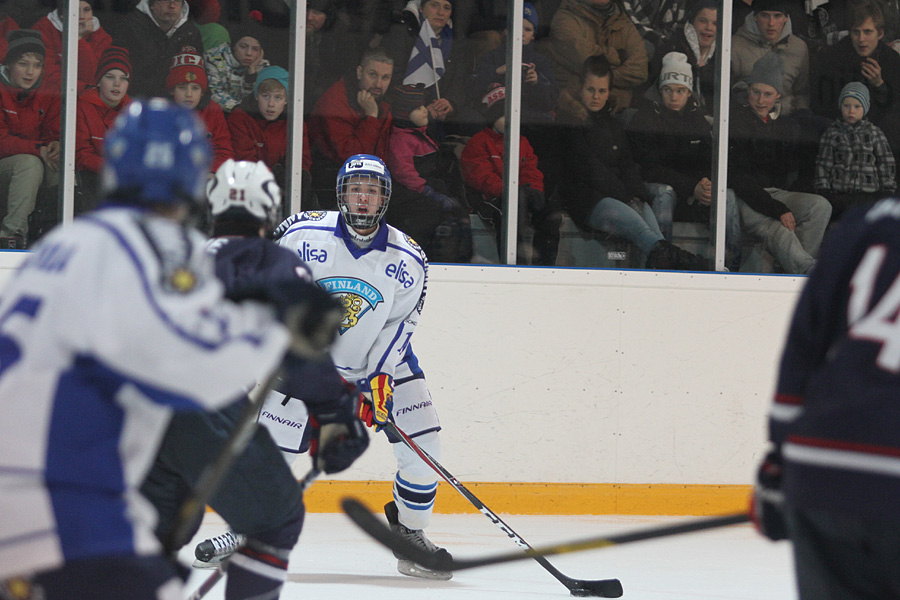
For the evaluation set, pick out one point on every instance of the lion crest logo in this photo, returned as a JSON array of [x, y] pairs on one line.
[[357, 297]]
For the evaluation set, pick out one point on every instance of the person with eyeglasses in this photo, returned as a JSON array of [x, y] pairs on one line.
[[154, 34]]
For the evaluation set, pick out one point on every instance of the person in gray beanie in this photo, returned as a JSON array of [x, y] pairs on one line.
[[763, 157], [855, 164]]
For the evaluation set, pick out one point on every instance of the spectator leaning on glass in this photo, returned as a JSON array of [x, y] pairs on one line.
[[29, 133]]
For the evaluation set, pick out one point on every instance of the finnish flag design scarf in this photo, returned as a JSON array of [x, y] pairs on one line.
[[426, 61]]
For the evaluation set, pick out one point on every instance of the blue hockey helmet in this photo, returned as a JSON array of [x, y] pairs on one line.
[[156, 153], [363, 190]]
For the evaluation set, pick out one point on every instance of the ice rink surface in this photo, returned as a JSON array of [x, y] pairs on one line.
[[335, 559]]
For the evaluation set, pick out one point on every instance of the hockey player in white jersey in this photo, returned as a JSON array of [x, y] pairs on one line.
[[379, 274], [110, 324]]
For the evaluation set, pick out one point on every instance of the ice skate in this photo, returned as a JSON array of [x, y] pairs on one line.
[[209, 553], [416, 537]]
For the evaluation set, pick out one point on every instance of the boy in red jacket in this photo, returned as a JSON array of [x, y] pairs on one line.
[[188, 85], [92, 41], [98, 108], [29, 133], [482, 170], [259, 128]]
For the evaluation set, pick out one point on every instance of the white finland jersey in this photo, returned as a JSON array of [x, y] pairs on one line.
[[382, 288], [110, 324]]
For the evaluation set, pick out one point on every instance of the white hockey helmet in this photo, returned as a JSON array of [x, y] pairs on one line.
[[359, 174], [244, 189]]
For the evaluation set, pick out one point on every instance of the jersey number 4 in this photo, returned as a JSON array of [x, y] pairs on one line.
[[881, 323]]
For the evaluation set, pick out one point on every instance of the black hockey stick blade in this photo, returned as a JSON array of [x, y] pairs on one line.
[[369, 523]]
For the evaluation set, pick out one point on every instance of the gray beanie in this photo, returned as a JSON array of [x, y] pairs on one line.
[[22, 41], [856, 90], [769, 69]]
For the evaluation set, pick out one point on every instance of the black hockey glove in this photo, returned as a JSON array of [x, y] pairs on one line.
[[767, 504], [339, 437]]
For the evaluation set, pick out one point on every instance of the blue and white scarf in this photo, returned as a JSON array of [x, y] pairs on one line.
[[429, 55]]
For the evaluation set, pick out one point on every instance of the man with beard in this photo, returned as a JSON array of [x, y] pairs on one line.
[[351, 118]]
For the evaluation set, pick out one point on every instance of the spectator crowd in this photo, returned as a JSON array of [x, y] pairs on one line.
[[617, 104]]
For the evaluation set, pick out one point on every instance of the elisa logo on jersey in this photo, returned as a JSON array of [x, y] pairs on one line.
[[313, 216], [309, 253], [357, 297], [400, 273]]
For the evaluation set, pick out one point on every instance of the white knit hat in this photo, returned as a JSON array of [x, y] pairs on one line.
[[676, 70]]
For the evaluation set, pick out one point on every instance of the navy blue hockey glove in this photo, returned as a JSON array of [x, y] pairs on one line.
[[767, 504], [339, 437], [311, 314]]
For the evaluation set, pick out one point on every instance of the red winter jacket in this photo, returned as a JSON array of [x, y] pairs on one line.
[[29, 119], [94, 120], [218, 134], [89, 50], [482, 164], [255, 138], [338, 127]]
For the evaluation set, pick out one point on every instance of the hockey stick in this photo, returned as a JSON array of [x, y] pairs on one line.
[[603, 588], [192, 508], [369, 523], [216, 575]]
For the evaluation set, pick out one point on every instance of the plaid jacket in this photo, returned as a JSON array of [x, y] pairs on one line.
[[655, 19], [855, 158]]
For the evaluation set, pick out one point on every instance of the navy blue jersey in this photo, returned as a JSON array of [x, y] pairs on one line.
[[836, 414], [246, 263]]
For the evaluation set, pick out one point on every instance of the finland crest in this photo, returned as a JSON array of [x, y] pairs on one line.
[[357, 298]]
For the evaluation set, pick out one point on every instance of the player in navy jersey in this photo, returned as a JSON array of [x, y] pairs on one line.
[[260, 498], [111, 324], [831, 480]]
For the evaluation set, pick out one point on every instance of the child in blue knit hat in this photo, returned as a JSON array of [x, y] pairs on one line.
[[855, 163], [259, 124]]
